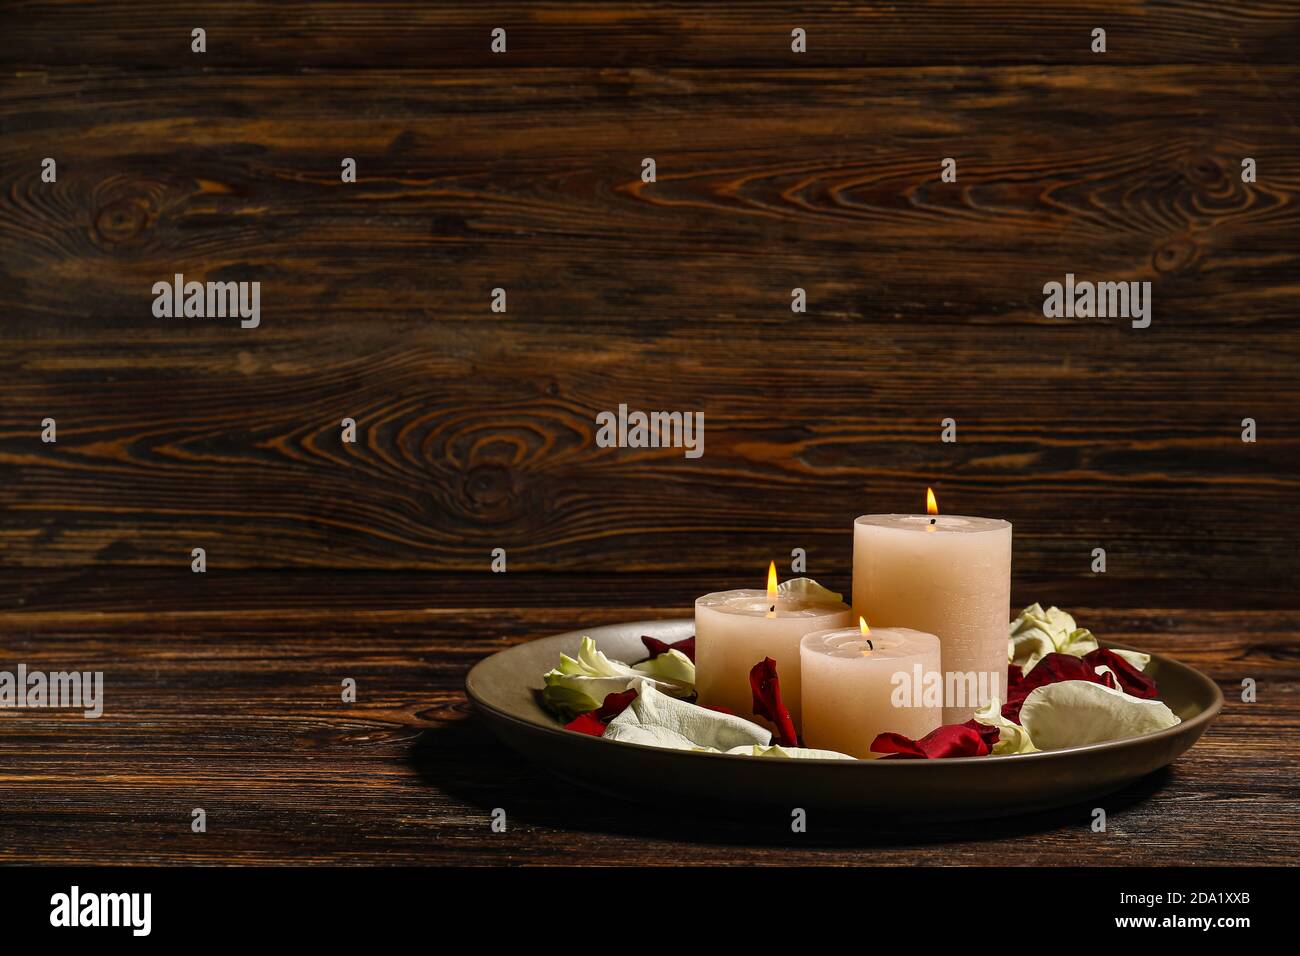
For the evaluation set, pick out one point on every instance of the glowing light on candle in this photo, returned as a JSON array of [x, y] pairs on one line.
[[931, 508], [866, 632], [771, 587]]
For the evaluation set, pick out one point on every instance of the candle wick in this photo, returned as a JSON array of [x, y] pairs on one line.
[[870, 646], [772, 609], [933, 520]]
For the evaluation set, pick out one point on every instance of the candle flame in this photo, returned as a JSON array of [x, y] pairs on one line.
[[866, 636], [931, 505], [771, 583]]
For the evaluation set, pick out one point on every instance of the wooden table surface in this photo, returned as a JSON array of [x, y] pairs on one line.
[[223, 692]]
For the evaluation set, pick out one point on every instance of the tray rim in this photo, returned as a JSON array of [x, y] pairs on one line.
[[1200, 722]]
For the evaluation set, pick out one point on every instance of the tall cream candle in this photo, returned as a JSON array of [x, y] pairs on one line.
[[857, 686], [947, 575], [734, 630]]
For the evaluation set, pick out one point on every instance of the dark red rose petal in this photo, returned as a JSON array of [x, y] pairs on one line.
[[1131, 680], [593, 721], [615, 704], [587, 723], [766, 687], [990, 734], [1056, 667], [952, 740], [896, 745], [655, 647]]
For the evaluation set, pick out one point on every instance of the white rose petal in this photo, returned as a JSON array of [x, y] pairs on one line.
[[1037, 633], [809, 591], [672, 665], [657, 720], [806, 753], [1072, 713], [1136, 658], [1012, 737]]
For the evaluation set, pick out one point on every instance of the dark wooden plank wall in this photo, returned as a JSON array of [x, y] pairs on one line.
[[289, 34], [775, 171]]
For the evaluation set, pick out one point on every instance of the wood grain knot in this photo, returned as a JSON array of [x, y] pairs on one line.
[[488, 488], [1205, 171], [1217, 189], [1175, 255], [126, 208], [122, 221]]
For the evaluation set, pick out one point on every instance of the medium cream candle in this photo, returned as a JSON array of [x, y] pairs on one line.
[[857, 684], [734, 630], [948, 575]]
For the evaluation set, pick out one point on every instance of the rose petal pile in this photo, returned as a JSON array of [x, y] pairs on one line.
[[656, 720], [644, 714], [1035, 633], [579, 685], [1063, 690]]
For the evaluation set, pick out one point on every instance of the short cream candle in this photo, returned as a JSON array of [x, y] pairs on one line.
[[947, 575], [856, 686], [734, 630]]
